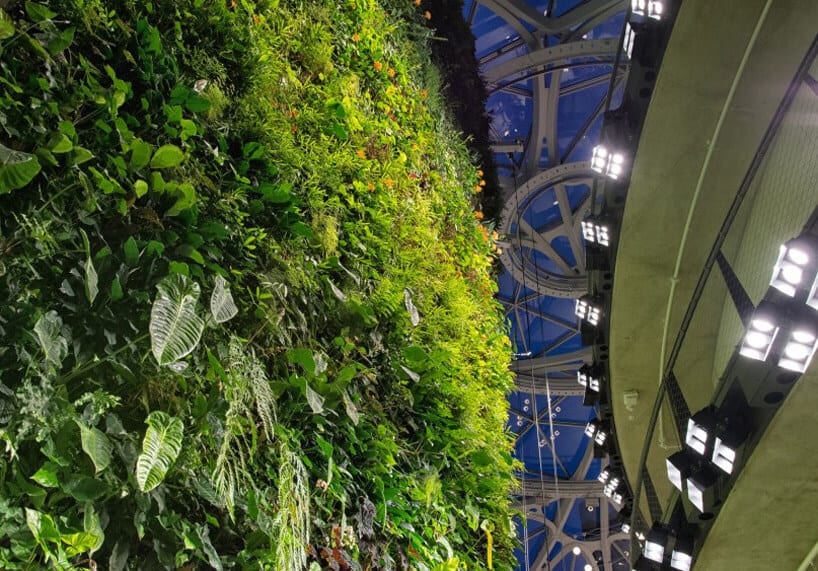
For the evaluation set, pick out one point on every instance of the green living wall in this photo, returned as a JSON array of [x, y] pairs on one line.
[[246, 308]]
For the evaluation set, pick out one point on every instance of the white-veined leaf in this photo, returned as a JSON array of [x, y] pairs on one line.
[[49, 334], [160, 448], [414, 316], [352, 410], [175, 328], [316, 401], [222, 305]]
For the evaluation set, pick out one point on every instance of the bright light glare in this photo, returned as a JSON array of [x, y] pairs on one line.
[[696, 437], [788, 272], [576, 550], [758, 340], [654, 551], [695, 494], [674, 475], [681, 561], [799, 351], [607, 163], [798, 256], [590, 429], [604, 475], [723, 456], [588, 567]]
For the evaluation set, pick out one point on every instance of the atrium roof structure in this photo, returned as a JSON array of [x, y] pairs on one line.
[[552, 69]]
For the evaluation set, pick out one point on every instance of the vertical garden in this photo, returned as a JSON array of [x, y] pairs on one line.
[[246, 312]]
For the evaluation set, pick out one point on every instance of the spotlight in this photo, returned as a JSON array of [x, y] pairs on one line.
[[655, 544], [587, 309], [648, 8], [682, 556], [761, 333], [700, 426], [606, 162], [729, 448], [604, 476], [596, 232], [626, 527], [596, 431], [576, 550], [679, 467], [796, 263], [701, 488], [614, 491], [630, 39], [800, 349], [588, 377]]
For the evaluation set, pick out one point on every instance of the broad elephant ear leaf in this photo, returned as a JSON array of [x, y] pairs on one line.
[[160, 448], [175, 327], [17, 169], [222, 305]]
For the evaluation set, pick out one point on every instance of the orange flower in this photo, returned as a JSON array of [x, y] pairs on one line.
[[477, 188], [495, 236], [388, 182], [356, 38], [378, 66], [480, 173], [391, 72], [478, 214], [294, 128], [428, 15], [361, 154], [417, 2], [370, 187], [424, 93], [414, 147], [256, 19], [482, 183], [293, 113]]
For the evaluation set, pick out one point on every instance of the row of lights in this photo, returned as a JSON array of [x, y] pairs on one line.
[[664, 548], [796, 276], [715, 443], [711, 443]]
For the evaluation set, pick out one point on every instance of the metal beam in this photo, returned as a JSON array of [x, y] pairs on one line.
[[503, 147], [556, 387], [553, 363], [536, 59]]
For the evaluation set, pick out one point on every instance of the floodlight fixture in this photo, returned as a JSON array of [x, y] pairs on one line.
[[799, 349], [700, 428], [681, 558], [701, 488], [656, 544], [588, 567], [648, 8], [606, 162], [626, 527], [680, 466], [589, 377], [761, 333], [576, 550], [796, 266], [604, 476], [587, 309], [596, 432], [596, 232], [729, 448], [630, 39]]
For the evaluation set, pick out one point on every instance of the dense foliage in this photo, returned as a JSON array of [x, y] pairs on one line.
[[245, 300]]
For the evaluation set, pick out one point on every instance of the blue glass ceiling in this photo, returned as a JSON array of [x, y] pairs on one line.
[[551, 442]]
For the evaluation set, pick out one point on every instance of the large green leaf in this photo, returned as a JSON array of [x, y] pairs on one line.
[[175, 327], [167, 156], [6, 25], [97, 446], [17, 169], [49, 334], [161, 446], [222, 305]]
